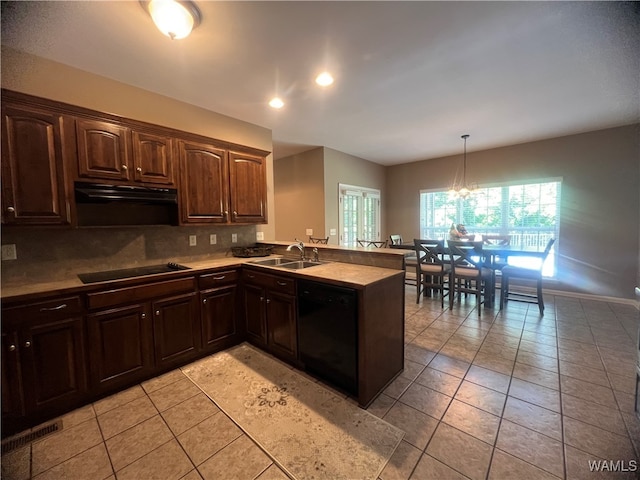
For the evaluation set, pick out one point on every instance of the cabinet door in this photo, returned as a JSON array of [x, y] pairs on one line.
[[53, 363], [281, 324], [204, 183], [255, 315], [247, 177], [176, 329], [103, 150], [152, 158], [34, 146], [218, 313], [120, 346], [12, 397]]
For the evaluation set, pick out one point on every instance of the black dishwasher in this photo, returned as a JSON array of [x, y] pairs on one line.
[[328, 333]]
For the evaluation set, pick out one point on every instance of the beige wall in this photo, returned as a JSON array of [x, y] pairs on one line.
[[343, 168], [599, 229], [307, 190], [44, 78], [299, 195]]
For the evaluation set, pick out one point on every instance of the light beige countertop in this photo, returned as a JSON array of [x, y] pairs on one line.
[[347, 274]]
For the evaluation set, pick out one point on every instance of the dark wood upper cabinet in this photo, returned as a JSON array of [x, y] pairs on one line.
[[103, 150], [48, 145], [35, 147], [248, 188], [152, 158], [204, 189], [220, 186]]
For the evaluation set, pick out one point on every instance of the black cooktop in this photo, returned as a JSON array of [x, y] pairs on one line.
[[107, 275]]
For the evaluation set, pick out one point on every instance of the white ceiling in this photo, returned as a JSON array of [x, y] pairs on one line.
[[411, 77]]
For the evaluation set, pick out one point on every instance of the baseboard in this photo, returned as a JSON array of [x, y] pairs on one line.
[[584, 296]]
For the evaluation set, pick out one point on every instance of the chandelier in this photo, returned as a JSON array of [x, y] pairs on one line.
[[461, 189]]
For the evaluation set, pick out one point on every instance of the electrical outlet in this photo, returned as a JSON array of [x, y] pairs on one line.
[[309, 231], [9, 252], [193, 241], [234, 238], [332, 231], [259, 235], [213, 239]]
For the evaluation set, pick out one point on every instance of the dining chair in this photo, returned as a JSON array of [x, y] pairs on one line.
[[433, 271], [395, 239], [372, 243], [500, 240], [469, 273], [524, 273], [318, 240]]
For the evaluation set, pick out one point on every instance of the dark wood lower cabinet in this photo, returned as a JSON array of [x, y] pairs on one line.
[[176, 330], [270, 308], [281, 324], [121, 346], [218, 310], [43, 360]]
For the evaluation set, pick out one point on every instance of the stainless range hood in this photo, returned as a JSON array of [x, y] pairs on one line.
[[100, 204]]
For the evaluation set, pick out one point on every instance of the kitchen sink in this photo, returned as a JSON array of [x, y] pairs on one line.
[[286, 263], [300, 264], [273, 262]]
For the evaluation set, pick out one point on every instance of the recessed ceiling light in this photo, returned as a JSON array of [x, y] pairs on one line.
[[276, 102], [324, 79]]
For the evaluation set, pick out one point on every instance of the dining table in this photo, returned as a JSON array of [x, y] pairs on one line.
[[491, 253]]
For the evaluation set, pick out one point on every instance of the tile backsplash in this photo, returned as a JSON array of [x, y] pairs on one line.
[[52, 254]]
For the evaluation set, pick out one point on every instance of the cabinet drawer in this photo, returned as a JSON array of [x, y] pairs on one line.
[[213, 280], [272, 282], [49, 309], [140, 293]]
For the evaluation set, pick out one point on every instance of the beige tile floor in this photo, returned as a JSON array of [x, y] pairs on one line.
[[509, 395]]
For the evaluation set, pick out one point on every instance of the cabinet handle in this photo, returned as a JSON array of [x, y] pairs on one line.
[[251, 276], [11, 209], [220, 278], [262, 299], [226, 212], [27, 344], [235, 214], [12, 348], [139, 170], [125, 168], [53, 309], [157, 313], [282, 284], [268, 300], [204, 301], [144, 315]]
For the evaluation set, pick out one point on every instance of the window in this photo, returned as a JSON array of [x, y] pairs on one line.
[[529, 213], [359, 214]]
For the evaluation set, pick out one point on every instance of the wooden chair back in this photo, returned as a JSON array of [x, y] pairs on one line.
[[318, 240]]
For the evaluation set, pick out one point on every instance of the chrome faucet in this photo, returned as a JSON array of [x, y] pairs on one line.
[[300, 246], [315, 255]]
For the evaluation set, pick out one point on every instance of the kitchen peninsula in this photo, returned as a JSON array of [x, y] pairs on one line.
[[66, 343]]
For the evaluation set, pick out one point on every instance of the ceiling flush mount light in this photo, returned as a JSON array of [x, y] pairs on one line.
[[324, 79], [461, 190], [174, 18], [276, 102]]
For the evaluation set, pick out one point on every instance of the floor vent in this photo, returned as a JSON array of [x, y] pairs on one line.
[[23, 440]]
